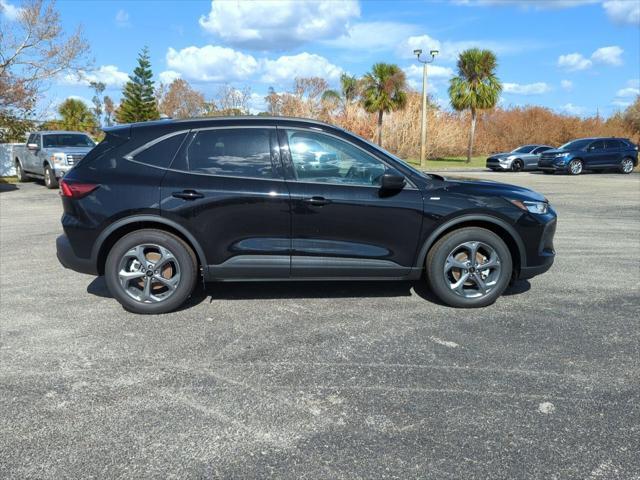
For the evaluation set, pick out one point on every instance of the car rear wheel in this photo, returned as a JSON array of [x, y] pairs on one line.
[[151, 271], [50, 180], [469, 268], [575, 167], [517, 165], [626, 166], [22, 177]]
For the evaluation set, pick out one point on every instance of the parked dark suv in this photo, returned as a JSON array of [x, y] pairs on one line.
[[591, 154], [156, 205]]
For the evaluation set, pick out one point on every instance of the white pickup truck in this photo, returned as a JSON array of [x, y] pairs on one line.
[[49, 155]]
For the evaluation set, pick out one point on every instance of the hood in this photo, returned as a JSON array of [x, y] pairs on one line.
[[555, 150], [502, 155], [81, 150], [487, 188]]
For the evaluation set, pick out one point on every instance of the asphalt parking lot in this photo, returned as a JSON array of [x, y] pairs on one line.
[[320, 380]]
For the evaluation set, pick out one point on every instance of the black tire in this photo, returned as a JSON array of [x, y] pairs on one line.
[[22, 177], [517, 165], [50, 180], [439, 253], [183, 255], [575, 167], [548, 172], [626, 165]]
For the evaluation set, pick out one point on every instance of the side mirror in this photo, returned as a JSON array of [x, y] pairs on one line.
[[32, 146], [392, 180]]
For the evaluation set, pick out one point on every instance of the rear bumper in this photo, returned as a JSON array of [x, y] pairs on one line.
[[70, 260]]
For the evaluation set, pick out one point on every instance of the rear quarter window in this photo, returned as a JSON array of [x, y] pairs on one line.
[[159, 153]]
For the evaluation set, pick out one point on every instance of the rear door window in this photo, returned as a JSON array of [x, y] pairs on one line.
[[615, 144], [597, 145], [231, 152]]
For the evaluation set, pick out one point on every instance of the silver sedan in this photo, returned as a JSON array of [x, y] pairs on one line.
[[521, 158]]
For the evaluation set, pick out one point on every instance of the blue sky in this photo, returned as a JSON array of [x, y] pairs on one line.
[[574, 56]]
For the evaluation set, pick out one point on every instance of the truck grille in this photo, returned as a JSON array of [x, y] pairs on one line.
[[73, 158]]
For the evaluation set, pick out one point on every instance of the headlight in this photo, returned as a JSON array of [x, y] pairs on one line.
[[565, 154], [531, 206], [59, 159]]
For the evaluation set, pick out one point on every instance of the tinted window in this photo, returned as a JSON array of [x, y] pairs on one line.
[[31, 138], [575, 145], [615, 144], [541, 149], [231, 152], [321, 158], [161, 153], [525, 149], [67, 140], [598, 145]]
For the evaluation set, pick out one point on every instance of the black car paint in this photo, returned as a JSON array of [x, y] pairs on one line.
[[277, 228]]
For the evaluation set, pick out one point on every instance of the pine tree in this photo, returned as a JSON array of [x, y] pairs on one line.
[[138, 100]]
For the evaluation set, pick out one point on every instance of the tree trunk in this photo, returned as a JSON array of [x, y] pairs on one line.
[[380, 128], [472, 134]]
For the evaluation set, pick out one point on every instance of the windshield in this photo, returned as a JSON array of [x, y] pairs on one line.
[[67, 140], [525, 149], [575, 145]]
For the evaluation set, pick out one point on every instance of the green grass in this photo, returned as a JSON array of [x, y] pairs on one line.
[[444, 163], [8, 179]]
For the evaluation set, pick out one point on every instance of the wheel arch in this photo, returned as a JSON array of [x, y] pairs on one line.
[[501, 228], [115, 231]]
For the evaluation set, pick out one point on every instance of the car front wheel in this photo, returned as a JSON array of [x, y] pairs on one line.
[[50, 180], [517, 165], [469, 268], [626, 166], [151, 271], [575, 167]]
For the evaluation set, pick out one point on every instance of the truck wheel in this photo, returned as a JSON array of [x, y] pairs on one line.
[[22, 177], [469, 267], [151, 271], [50, 179]]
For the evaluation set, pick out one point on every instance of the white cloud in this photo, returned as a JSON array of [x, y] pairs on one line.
[[286, 68], [366, 36], [567, 85], [621, 103], [211, 63], [11, 12], [257, 103], [423, 42], [608, 55], [623, 11], [168, 76], [631, 90], [110, 75], [572, 109], [574, 61], [122, 18], [611, 55], [275, 24], [433, 71], [537, 88]]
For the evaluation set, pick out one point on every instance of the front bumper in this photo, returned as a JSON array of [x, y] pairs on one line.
[[495, 164], [60, 172], [68, 258], [540, 257]]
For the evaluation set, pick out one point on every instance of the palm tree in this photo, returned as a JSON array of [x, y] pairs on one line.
[[383, 90], [348, 90], [476, 86]]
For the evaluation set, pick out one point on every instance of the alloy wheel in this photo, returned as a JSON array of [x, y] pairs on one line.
[[627, 165], [472, 269], [149, 273], [575, 167]]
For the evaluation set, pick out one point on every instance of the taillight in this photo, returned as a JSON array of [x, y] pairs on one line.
[[76, 190]]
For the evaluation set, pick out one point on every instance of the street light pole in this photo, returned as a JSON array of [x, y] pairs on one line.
[[423, 135]]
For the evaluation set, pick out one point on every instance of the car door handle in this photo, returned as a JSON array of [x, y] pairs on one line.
[[188, 195], [317, 201]]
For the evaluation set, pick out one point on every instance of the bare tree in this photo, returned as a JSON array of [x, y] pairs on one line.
[[233, 101], [33, 50], [109, 110], [180, 100]]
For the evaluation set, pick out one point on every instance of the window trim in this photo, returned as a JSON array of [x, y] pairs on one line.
[[410, 184]]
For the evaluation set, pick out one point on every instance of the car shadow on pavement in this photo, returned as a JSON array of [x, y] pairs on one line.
[[8, 187], [306, 289]]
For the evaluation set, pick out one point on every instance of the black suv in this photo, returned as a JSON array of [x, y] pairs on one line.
[[156, 205]]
